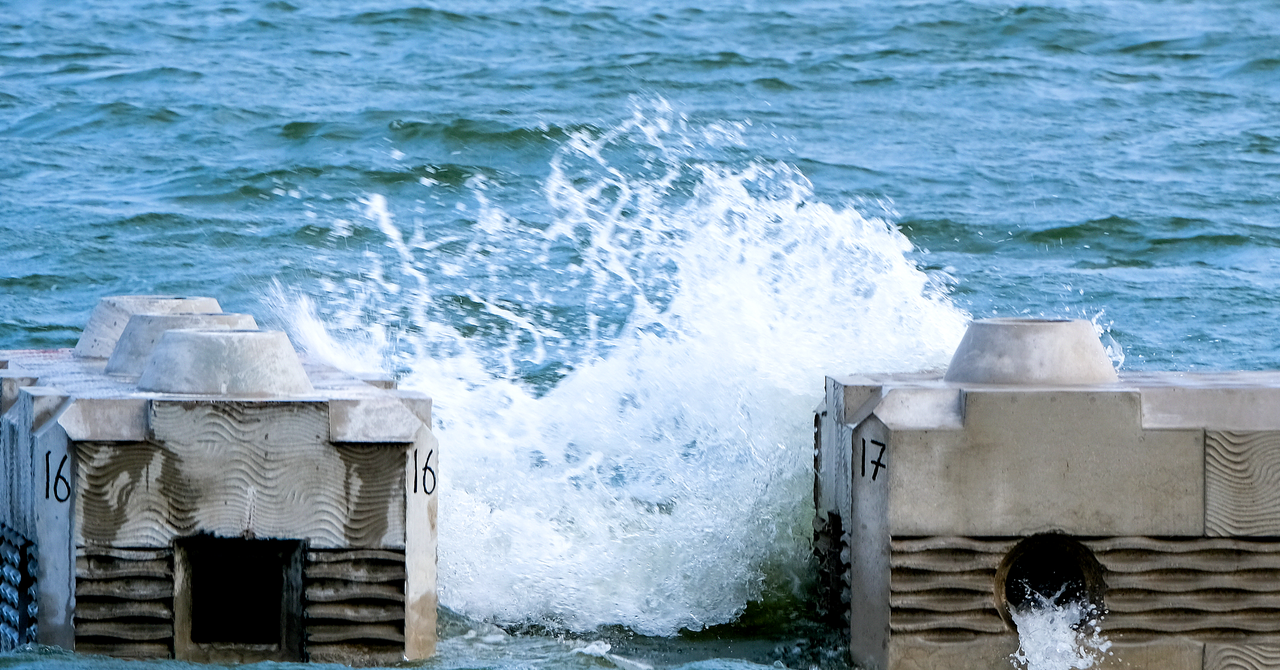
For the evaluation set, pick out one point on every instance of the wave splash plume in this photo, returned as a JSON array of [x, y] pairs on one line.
[[623, 378], [1059, 634]]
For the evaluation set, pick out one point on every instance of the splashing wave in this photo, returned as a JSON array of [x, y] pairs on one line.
[[623, 381]]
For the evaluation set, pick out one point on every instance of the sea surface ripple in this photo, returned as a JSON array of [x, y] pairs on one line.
[[558, 217]]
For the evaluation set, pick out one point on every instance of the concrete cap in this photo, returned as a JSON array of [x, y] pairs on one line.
[[144, 330], [240, 363], [1031, 351], [111, 315]]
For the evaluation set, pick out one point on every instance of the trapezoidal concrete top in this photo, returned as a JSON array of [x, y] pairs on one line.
[[1031, 351], [237, 363], [112, 313], [142, 334]]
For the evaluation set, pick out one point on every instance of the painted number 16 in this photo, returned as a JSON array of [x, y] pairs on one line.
[[426, 471], [56, 483]]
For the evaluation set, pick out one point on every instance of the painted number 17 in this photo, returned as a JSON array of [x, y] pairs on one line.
[[877, 460]]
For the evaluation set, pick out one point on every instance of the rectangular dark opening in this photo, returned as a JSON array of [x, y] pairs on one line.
[[241, 593]]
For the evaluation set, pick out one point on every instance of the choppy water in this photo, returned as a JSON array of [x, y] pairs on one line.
[[620, 245]]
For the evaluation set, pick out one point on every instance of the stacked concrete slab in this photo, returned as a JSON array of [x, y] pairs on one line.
[[930, 487], [196, 491]]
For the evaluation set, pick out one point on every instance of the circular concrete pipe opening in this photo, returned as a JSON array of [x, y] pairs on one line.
[[1031, 351], [143, 332], [237, 363], [1049, 569], [111, 315]]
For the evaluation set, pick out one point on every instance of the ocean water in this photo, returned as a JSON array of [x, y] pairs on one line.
[[621, 244]]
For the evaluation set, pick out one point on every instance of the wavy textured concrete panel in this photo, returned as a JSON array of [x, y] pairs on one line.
[[1242, 483], [1242, 656]]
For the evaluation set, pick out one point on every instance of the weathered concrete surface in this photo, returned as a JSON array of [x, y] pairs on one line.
[[1030, 351], [349, 467], [1169, 479], [236, 469], [231, 363], [1242, 656], [1240, 401], [10, 382], [1242, 483], [1036, 460], [40, 468], [107, 420], [421, 598], [111, 315], [386, 419], [143, 332], [992, 652]]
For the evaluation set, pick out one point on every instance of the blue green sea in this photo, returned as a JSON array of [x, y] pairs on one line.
[[621, 244]]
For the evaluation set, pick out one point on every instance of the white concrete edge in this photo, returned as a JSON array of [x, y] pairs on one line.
[[381, 419], [12, 381], [922, 408], [47, 403], [866, 409], [106, 420], [419, 403]]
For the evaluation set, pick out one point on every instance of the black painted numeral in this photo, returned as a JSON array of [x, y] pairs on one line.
[[56, 483], [877, 463], [426, 470]]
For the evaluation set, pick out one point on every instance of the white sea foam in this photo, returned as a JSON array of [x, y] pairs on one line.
[[1059, 635], [693, 310]]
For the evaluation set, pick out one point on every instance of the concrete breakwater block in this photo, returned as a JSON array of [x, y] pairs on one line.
[[143, 332], [111, 316], [1030, 351], [241, 363], [940, 498], [229, 503]]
